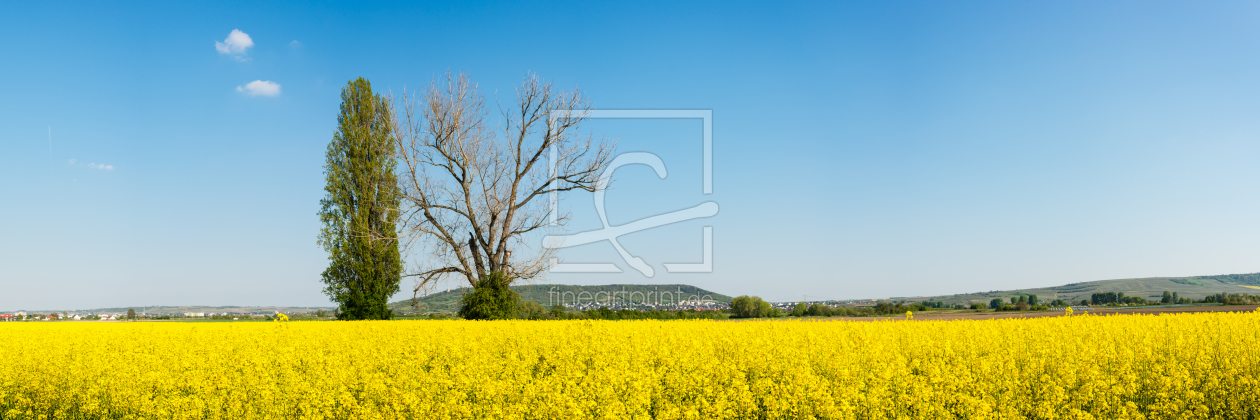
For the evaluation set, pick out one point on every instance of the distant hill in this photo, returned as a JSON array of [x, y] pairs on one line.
[[549, 294], [1150, 288]]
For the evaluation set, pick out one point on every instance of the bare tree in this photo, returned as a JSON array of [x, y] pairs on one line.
[[472, 194]]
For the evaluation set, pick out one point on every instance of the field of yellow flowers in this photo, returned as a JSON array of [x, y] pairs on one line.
[[1105, 367]]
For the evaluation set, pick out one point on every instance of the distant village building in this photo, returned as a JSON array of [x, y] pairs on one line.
[[7, 317], [195, 314]]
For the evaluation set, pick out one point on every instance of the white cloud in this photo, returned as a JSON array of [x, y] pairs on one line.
[[295, 44], [260, 87], [72, 161], [235, 44], [102, 166]]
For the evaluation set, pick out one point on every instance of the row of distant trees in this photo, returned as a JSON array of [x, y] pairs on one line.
[[755, 307], [1118, 298], [430, 174], [1031, 301], [1233, 299], [882, 308]]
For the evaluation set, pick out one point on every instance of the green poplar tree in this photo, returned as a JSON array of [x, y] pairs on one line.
[[360, 208]]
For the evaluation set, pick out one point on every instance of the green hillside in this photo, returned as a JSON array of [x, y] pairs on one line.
[[447, 301], [1151, 288]]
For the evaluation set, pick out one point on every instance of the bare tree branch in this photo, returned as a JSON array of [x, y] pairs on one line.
[[460, 180]]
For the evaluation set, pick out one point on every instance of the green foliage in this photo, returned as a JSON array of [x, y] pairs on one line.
[[1168, 298], [938, 305], [752, 307], [1117, 299], [978, 306], [799, 309], [491, 299], [530, 310], [359, 209], [131, 313], [764, 310], [1232, 299], [995, 303], [743, 307]]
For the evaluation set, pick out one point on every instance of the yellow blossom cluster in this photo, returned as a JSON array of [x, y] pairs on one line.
[[1192, 366]]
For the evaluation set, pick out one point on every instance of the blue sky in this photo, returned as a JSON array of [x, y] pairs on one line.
[[860, 150]]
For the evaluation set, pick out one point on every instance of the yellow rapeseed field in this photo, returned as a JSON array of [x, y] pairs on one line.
[[1100, 367]]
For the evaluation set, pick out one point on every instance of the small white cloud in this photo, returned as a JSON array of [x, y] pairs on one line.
[[295, 44], [260, 88], [102, 166], [72, 161], [235, 44]]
